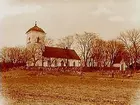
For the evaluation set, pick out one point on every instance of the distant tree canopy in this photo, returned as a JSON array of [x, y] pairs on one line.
[[12, 54], [66, 42], [88, 45], [49, 42], [131, 40], [84, 45]]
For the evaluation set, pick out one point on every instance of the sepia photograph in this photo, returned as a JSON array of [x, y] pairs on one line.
[[69, 52]]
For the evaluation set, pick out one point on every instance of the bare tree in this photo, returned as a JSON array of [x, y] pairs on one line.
[[115, 48], [49, 42], [12, 54], [105, 53], [131, 40], [15, 55], [26, 55], [35, 52], [84, 45], [4, 54], [32, 54], [66, 42], [99, 52]]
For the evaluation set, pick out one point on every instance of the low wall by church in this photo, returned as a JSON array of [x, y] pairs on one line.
[[56, 63]]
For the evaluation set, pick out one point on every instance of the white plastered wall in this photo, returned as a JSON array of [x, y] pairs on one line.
[[33, 35]]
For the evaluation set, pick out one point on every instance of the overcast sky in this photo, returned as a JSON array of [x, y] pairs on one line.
[[60, 18]]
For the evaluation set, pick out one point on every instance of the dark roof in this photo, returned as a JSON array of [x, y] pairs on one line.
[[55, 52], [36, 28]]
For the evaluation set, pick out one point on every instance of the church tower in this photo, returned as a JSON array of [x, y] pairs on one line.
[[35, 35], [36, 43]]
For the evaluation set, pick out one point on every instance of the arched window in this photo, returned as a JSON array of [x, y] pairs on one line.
[[38, 39], [74, 64], [62, 63], [67, 63], [49, 63], [55, 63]]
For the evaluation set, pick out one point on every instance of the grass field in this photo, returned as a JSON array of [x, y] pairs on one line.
[[20, 87]]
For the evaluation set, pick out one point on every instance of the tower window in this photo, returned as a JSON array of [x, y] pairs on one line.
[[37, 41], [29, 40]]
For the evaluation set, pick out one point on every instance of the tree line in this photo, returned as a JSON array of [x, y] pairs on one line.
[[89, 46]]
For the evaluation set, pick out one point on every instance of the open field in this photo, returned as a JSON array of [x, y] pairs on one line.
[[21, 87]]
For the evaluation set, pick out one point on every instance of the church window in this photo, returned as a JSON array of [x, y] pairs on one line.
[[62, 63], [29, 40], [49, 63], [37, 41], [67, 63], [74, 64], [56, 63]]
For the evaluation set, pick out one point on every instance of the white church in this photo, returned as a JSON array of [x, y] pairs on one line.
[[50, 56]]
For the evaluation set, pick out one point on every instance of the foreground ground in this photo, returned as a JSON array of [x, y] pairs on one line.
[[20, 87]]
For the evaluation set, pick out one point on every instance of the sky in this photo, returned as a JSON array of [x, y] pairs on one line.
[[59, 18]]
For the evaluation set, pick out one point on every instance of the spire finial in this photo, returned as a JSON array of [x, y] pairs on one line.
[[35, 23]]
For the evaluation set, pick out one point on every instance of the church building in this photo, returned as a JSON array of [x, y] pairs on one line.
[[48, 56]]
